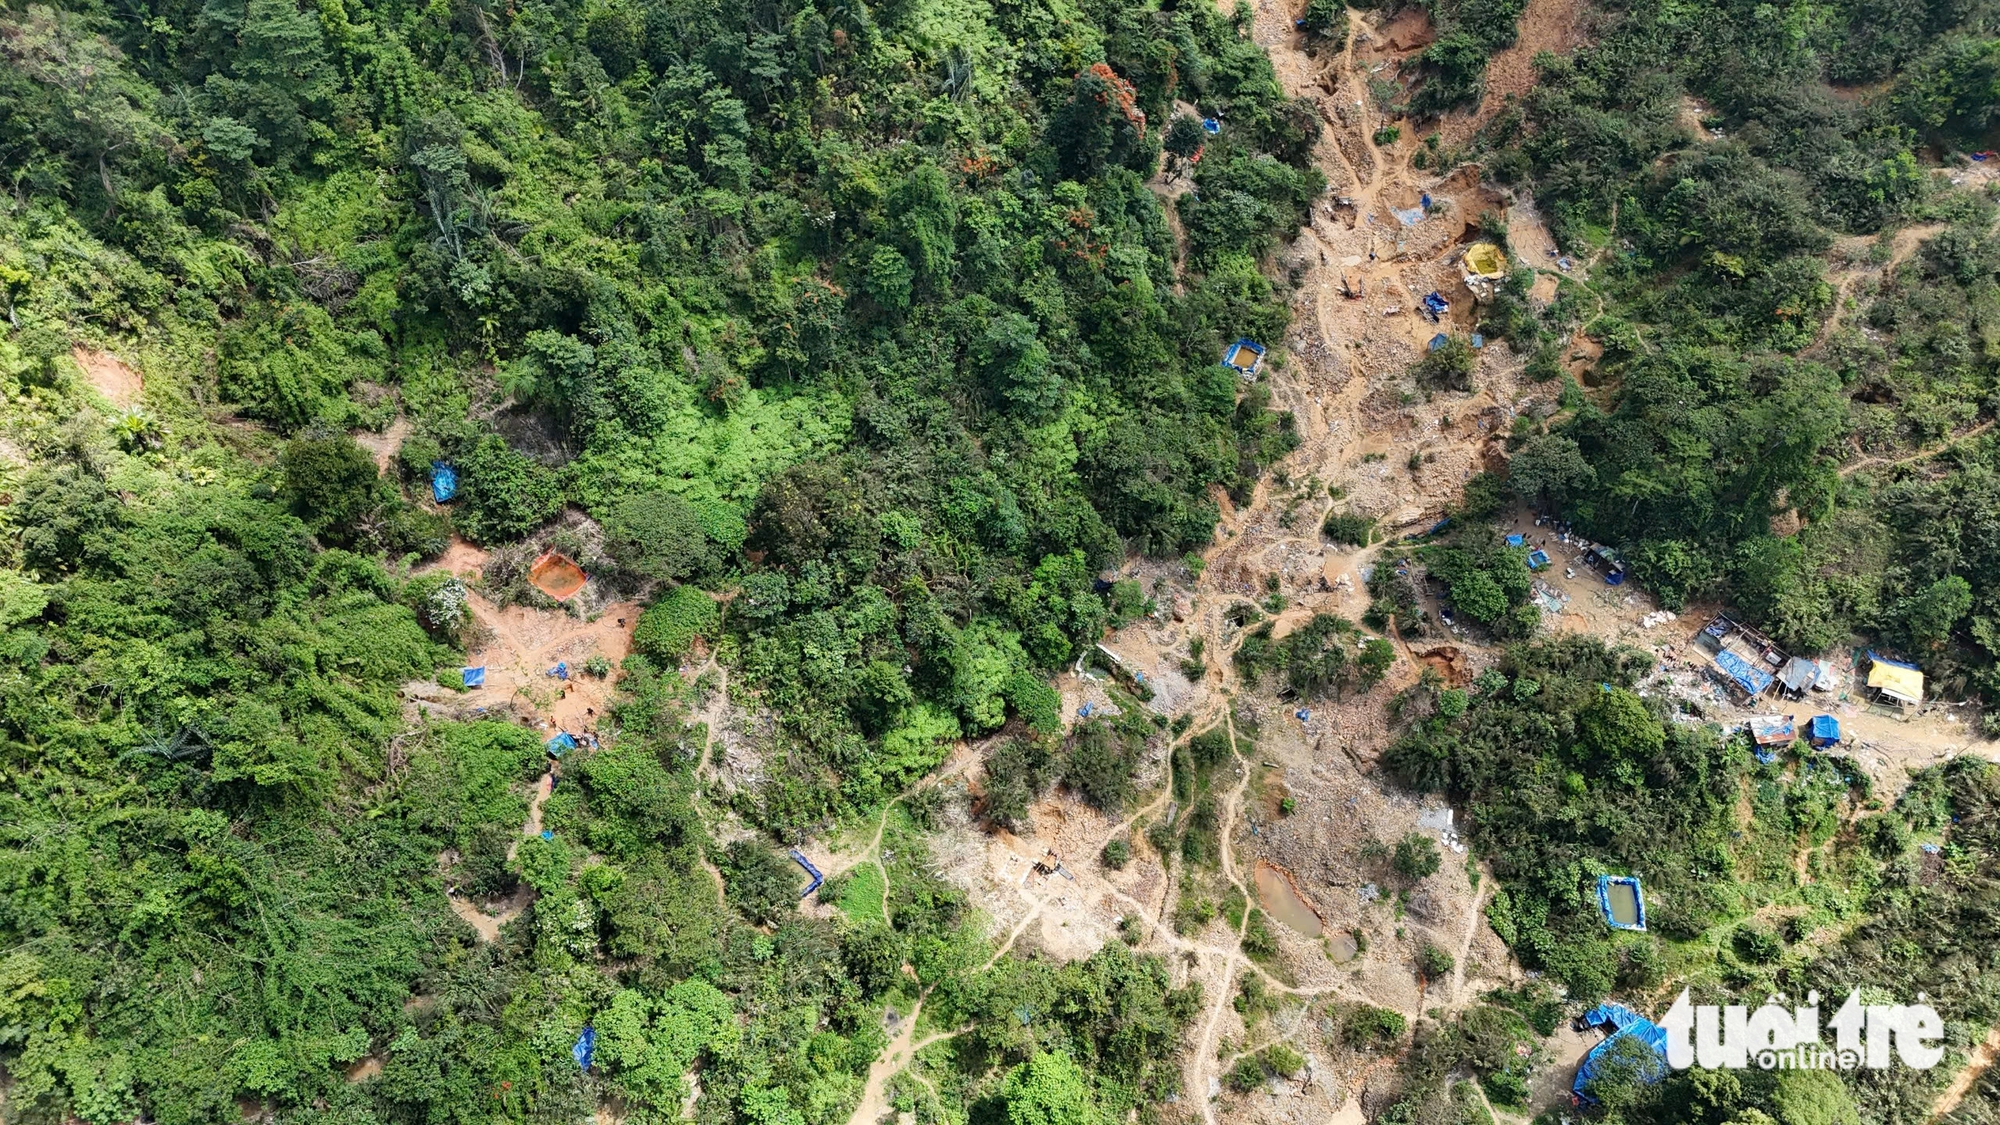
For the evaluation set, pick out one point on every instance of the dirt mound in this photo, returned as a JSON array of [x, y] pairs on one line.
[[1450, 662], [111, 376]]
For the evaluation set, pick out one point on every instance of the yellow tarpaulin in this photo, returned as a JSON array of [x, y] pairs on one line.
[[1905, 684], [1484, 259]]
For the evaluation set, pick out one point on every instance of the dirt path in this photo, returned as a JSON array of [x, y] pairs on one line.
[[1982, 1060], [1901, 245], [874, 1105], [1920, 455]]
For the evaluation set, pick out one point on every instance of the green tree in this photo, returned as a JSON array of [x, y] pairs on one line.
[[1050, 1089], [657, 534], [1416, 857]]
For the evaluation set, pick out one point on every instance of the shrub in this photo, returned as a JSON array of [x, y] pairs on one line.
[[657, 535], [1116, 854], [668, 628], [1348, 529], [1449, 365], [1369, 1026], [1416, 857], [1433, 962]]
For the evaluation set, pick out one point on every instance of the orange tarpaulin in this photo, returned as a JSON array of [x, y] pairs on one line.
[[557, 576]]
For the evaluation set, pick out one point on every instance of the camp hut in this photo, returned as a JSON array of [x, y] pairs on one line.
[[1797, 676], [1824, 731], [1895, 681]]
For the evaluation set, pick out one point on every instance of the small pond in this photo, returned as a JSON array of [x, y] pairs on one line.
[[1283, 903]]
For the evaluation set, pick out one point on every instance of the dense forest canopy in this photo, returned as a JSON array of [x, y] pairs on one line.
[[862, 313]]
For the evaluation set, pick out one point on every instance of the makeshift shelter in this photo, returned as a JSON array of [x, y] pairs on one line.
[[1435, 306], [1485, 266], [556, 575], [1895, 680], [444, 481], [1824, 731], [561, 744], [1517, 540], [585, 1048], [1246, 356], [474, 677], [1609, 561], [1538, 559], [1438, 341], [1751, 679], [1769, 734], [1624, 1023], [1797, 676], [1621, 901]]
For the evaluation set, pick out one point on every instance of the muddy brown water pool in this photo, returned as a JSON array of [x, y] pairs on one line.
[[1282, 902]]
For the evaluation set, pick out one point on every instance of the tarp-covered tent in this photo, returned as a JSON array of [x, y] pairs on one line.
[[1901, 682], [1624, 1023], [1751, 679], [1824, 731], [561, 744], [1517, 540], [475, 677], [1798, 675]]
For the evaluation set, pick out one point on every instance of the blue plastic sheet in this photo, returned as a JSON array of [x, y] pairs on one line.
[[1517, 540], [444, 481], [799, 858], [561, 744], [1750, 679], [475, 677], [1211, 126], [586, 1046], [560, 671], [1825, 730], [1624, 1022], [1537, 559]]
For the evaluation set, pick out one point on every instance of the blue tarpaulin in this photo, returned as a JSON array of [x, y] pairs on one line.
[[1478, 340], [1825, 730], [444, 481], [1517, 540], [1211, 126], [1084, 711], [475, 677], [561, 670], [561, 744], [1624, 1022], [799, 858], [586, 1046], [1877, 658], [1424, 201], [1751, 680], [1537, 559], [1438, 341], [1435, 306]]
